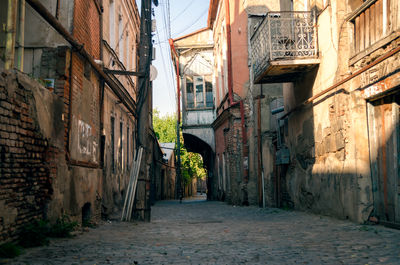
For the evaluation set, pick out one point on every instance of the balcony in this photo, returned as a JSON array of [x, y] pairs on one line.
[[283, 46]]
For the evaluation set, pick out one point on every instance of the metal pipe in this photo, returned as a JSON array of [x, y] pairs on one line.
[[122, 94], [229, 50], [260, 181], [10, 34], [365, 68], [21, 36]]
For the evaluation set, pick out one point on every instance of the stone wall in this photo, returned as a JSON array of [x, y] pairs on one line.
[[330, 163]]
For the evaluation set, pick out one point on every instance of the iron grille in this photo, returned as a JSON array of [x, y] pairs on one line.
[[283, 36]]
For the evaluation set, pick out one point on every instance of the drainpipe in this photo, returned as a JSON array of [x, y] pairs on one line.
[[230, 94], [21, 36], [178, 189], [229, 50], [102, 85], [10, 34], [260, 175]]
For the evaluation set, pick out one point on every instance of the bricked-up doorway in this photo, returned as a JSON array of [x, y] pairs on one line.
[[384, 138]]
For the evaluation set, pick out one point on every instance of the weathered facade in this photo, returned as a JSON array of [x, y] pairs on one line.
[[67, 147], [341, 103], [195, 59], [245, 130], [119, 45], [167, 180]]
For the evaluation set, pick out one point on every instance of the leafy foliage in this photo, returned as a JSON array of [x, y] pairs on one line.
[[164, 127], [37, 233], [9, 250], [191, 163], [62, 228]]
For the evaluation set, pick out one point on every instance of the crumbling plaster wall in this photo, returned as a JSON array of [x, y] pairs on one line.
[[328, 140]]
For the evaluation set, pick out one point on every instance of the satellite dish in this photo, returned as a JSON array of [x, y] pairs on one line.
[[153, 72]]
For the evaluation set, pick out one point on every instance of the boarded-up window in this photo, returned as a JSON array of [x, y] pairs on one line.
[[370, 23]]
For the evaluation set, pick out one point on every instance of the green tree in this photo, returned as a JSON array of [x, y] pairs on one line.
[[191, 163], [164, 127]]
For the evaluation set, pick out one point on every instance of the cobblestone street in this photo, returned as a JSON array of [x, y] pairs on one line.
[[200, 232]]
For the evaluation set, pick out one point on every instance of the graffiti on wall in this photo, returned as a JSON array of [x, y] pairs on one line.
[[86, 143]]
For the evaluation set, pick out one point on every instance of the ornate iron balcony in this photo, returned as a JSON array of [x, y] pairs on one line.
[[283, 36]]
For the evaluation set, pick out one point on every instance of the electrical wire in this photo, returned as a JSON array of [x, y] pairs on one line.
[[193, 23]]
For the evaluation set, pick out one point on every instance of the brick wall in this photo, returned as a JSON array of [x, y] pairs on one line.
[[87, 26], [25, 157]]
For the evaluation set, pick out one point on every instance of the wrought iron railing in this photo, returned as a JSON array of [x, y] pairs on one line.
[[283, 36]]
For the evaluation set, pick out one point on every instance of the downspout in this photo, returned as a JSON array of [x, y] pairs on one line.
[[21, 36], [230, 95], [101, 114], [260, 175], [229, 50], [10, 34]]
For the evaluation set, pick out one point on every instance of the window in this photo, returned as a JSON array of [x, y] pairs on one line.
[[209, 92], [112, 144], [120, 144], [121, 47], [189, 92], [370, 23], [199, 92], [111, 24], [128, 52], [127, 146]]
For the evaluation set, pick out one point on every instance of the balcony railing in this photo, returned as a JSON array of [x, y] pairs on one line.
[[283, 36]]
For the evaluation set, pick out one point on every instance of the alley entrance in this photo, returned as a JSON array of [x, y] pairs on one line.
[[204, 232]]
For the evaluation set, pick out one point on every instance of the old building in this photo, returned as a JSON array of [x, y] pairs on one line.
[[233, 114], [68, 124], [193, 54], [245, 130], [120, 25], [339, 62], [168, 172]]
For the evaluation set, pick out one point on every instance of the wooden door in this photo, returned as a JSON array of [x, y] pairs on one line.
[[384, 134]]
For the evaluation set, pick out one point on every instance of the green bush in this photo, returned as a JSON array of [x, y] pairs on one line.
[[62, 228], [34, 234], [9, 250]]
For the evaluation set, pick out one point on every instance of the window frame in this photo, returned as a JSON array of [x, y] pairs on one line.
[[204, 92]]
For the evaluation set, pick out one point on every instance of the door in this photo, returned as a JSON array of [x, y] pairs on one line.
[[384, 135]]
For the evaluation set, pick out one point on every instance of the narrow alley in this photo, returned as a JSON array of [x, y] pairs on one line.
[[204, 232]]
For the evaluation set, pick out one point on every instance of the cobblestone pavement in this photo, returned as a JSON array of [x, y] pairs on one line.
[[199, 232]]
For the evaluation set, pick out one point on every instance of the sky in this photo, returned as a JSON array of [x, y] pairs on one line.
[[185, 16]]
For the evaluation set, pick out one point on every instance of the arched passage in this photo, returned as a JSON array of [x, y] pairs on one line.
[[196, 145]]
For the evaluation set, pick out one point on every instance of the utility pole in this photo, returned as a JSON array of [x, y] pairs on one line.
[[11, 29], [142, 207]]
